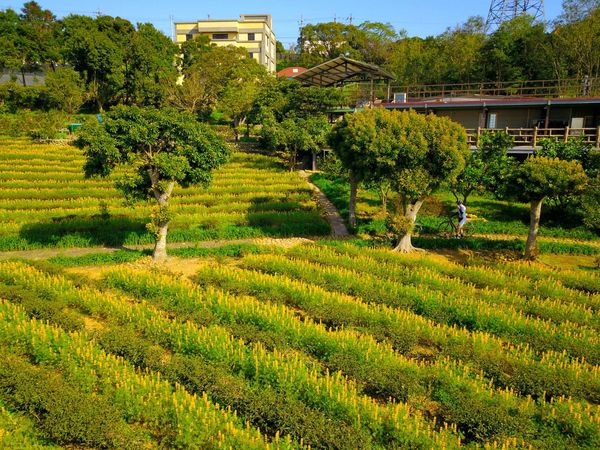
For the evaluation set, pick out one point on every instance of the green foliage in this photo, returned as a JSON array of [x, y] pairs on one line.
[[417, 153], [487, 168], [540, 177], [174, 147], [215, 76], [63, 413], [162, 147], [295, 137], [591, 204], [150, 68], [399, 225], [64, 90]]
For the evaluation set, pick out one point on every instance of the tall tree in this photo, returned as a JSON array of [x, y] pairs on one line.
[[516, 51], [576, 10], [64, 89], [213, 71], [96, 49], [416, 153], [240, 91], [149, 66], [38, 36], [11, 42], [356, 141], [162, 148], [576, 46]]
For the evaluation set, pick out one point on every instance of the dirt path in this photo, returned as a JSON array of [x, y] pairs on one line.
[[51, 252], [338, 227]]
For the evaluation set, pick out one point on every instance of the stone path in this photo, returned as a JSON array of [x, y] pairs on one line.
[[338, 227]]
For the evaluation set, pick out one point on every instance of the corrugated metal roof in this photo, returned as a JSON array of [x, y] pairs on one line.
[[508, 103], [341, 70]]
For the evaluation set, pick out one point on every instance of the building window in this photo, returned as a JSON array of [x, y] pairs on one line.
[[251, 55], [251, 37], [189, 36], [220, 36]]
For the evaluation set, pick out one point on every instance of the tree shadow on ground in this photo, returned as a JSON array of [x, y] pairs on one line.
[[85, 231], [284, 217]]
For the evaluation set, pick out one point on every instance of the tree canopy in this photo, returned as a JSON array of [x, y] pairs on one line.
[[159, 148], [416, 153]]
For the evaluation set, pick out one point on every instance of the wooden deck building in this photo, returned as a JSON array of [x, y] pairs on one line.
[[527, 119]]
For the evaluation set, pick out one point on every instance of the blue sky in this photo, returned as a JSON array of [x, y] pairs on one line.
[[418, 18]]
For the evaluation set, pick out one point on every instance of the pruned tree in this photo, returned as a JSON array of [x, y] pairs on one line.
[[416, 153], [356, 142], [430, 151], [240, 91], [539, 178], [161, 149]]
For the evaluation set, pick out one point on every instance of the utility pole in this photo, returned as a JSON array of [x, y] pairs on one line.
[[503, 10]]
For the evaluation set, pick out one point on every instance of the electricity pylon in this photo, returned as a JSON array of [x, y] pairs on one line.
[[503, 10]]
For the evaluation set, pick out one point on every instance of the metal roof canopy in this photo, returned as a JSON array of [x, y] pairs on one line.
[[342, 70]]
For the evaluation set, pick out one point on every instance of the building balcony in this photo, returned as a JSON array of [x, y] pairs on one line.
[[526, 140]]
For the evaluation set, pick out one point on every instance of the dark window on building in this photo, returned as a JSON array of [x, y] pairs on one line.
[[189, 36], [251, 37], [218, 36], [251, 55]]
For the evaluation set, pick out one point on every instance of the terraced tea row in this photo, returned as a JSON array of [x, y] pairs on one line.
[[299, 347], [50, 203]]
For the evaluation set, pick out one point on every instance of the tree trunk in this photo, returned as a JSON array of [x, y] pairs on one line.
[[236, 134], [23, 76], [352, 204], [161, 221], [410, 211], [384, 200], [314, 160], [160, 247], [531, 250]]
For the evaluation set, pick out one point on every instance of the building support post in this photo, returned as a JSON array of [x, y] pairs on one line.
[[547, 120], [598, 137], [566, 134], [535, 137]]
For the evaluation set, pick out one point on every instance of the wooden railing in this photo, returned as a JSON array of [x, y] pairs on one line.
[[530, 137], [588, 87]]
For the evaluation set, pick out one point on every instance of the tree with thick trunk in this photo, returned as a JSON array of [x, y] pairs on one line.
[[409, 216], [414, 154], [161, 149], [535, 213], [540, 177]]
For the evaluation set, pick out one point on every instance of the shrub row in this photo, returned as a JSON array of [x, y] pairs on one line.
[[288, 372], [513, 366], [441, 307], [167, 412]]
